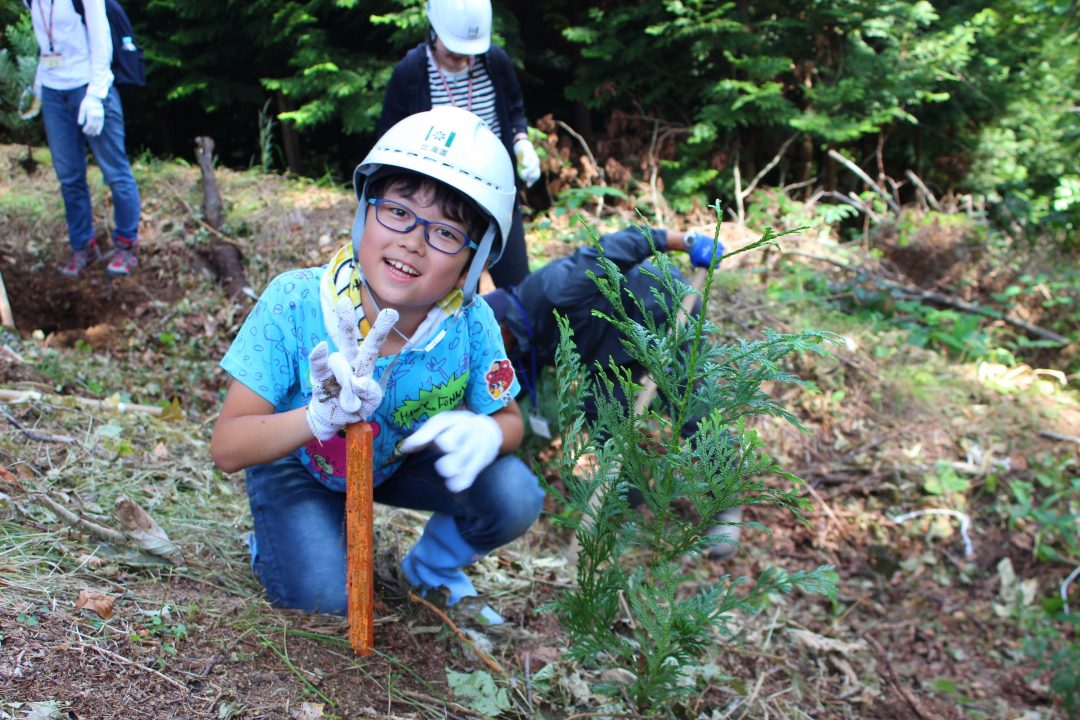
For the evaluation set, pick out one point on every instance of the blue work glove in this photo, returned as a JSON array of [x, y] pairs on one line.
[[702, 248]]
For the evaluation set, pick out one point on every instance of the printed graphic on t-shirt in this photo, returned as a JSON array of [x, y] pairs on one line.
[[499, 377]]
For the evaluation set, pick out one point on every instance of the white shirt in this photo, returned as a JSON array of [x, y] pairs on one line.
[[474, 76], [86, 50]]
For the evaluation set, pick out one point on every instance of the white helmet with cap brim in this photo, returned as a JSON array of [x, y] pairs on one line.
[[457, 148]]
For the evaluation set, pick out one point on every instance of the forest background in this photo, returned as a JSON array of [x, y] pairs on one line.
[[973, 97]]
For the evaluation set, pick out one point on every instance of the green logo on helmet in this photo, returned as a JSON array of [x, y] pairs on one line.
[[439, 136]]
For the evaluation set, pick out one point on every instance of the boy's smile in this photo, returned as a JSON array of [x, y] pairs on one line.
[[402, 270]]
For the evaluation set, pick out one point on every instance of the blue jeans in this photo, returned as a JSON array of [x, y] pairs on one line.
[[67, 143], [300, 523]]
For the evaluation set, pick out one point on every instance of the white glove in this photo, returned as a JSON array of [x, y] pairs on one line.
[[470, 440], [342, 388], [528, 162], [30, 102], [91, 115]]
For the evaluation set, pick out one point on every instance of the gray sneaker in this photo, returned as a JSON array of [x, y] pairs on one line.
[[80, 259], [725, 535], [124, 260]]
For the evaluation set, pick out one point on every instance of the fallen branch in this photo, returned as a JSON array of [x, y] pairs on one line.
[[90, 527], [866, 179], [917, 293], [36, 436], [457, 631], [1061, 437], [20, 396], [893, 679], [121, 659], [431, 702], [930, 199]]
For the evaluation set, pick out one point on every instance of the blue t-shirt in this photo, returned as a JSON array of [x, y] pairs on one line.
[[464, 365]]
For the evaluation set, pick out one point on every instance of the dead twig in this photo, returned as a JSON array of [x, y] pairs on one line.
[[917, 293], [123, 660], [592, 158], [832, 519], [740, 193], [19, 396], [893, 679], [1050, 434], [34, 435], [90, 527], [434, 701], [930, 199], [457, 631], [866, 179]]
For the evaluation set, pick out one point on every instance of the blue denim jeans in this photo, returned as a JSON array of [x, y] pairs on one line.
[[299, 548], [67, 143]]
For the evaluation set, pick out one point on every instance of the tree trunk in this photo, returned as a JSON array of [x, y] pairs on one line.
[[224, 256], [290, 141]]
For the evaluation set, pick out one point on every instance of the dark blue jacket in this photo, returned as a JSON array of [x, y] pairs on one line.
[[563, 285], [409, 92]]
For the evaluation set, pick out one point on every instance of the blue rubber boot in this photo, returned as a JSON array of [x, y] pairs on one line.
[[437, 558], [436, 561]]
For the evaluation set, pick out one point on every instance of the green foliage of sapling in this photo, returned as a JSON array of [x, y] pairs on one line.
[[630, 559]]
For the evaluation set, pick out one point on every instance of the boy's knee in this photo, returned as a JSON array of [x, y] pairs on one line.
[[509, 499], [521, 489], [308, 588]]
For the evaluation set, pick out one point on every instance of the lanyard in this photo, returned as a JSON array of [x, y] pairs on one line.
[[48, 24], [528, 382], [446, 85]]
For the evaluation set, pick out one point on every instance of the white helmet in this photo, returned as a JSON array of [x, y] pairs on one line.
[[455, 147], [464, 26]]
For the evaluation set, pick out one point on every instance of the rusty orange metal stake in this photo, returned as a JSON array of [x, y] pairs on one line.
[[360, 537]]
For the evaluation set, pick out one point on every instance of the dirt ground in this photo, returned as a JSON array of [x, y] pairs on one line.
[[916, 631]]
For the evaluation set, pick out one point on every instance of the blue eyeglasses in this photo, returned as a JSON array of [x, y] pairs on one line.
[[444, 238]]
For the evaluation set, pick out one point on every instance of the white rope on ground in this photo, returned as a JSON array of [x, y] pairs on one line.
[[1065, 587], [965, 523]]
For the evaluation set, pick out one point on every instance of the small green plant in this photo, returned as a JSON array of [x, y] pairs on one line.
[[632, 609], [1048, 505], [166, 626]]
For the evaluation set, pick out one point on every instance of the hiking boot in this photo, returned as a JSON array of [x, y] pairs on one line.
[[80, 259], [124, 260], [725, 536]]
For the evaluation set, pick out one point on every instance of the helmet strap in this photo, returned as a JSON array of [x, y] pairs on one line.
[[472, 277], [358, 225]]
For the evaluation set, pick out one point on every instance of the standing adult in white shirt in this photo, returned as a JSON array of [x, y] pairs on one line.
[[80, 107]]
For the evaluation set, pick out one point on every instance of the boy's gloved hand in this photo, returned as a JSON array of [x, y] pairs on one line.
[[342, 388], [702, 248], [470, 440], [91, 115], [528, 162]]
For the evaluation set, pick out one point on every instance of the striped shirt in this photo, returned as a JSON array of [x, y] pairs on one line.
[[483, 91]]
